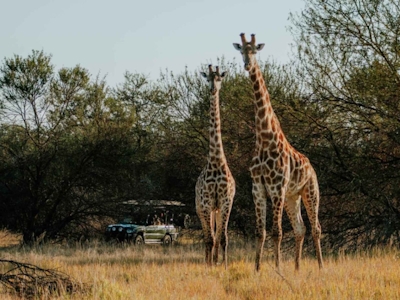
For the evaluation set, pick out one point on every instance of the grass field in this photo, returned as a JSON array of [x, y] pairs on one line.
[[155, 272]]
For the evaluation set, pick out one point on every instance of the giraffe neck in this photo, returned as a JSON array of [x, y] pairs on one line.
[[267, 124], [216, 150]]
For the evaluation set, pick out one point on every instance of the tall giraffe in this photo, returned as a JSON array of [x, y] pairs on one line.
[[278, 170], [215, 187]]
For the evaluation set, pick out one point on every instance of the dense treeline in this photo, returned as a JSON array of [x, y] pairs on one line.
[[72, 148], [349, 59]]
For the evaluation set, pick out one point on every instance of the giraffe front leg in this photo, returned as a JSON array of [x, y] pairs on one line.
[[217, 236], [224, 247], [293, 210], [205, 217], [225, 213], [277, 206], [260, 202], [209, 241]]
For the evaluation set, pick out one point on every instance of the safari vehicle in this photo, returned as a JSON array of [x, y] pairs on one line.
[[128, 231], [147, 222]]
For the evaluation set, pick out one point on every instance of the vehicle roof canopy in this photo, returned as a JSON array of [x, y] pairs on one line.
[[154, 203]]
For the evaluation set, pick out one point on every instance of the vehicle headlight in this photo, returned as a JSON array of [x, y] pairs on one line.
[[129, 230], [113, 229], [120, 229]]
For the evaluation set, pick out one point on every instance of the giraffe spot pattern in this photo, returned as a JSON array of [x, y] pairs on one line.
[[215, 187], [278, 169]]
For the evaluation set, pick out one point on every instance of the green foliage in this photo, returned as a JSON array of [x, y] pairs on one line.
[[72, 149], [25, 78], [63, 150], [348, 58]]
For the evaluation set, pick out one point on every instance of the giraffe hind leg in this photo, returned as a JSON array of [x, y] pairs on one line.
[[310, 197]]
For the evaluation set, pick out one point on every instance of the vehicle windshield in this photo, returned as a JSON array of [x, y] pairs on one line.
[[132, 221], [145, 219], [127, 221]]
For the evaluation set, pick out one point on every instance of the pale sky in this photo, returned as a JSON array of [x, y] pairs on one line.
[[111, 37]]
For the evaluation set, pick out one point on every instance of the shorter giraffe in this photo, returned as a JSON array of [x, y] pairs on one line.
[[278, 170], [215, 187]]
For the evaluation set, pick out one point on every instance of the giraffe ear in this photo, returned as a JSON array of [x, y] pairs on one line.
[[203, 74], [223, 74], [237, 46], [260, 46]]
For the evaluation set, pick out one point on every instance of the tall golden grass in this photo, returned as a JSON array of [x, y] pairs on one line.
[[154, 272]]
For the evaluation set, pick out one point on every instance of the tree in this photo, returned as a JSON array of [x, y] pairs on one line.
[[64, 147], [348, 53], [147, 103]]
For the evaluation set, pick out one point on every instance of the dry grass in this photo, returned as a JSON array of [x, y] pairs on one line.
[[153, 272]]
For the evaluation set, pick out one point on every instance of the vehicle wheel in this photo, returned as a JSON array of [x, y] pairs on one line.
[[167, 241], [139, 240]]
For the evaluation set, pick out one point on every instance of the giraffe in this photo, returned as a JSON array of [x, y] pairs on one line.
[[278, 170], [215, 187]]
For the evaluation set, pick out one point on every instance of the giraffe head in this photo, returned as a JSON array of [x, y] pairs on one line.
[[214, 79], [248, 50]]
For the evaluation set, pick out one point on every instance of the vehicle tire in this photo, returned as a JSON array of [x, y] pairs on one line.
[[139, 240], [167, 241]]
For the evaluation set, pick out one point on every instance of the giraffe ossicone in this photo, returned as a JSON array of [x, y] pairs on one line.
[[215, 187], [278, 170]]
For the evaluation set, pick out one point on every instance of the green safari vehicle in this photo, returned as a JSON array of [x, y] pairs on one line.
[[128, 231]]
